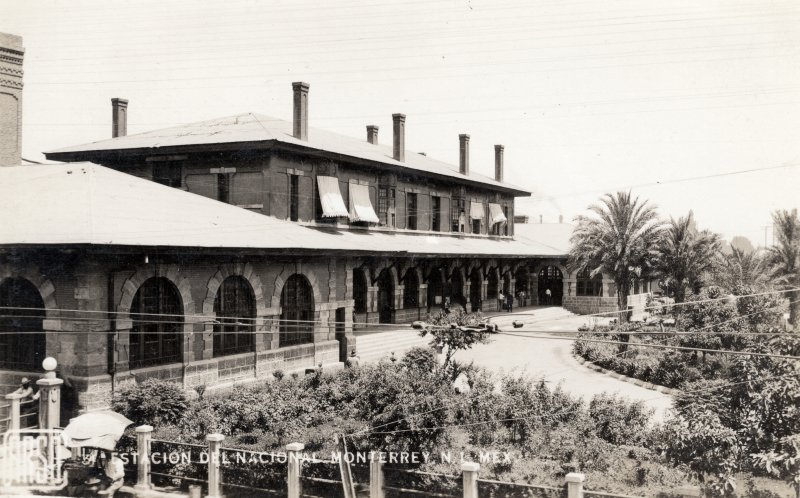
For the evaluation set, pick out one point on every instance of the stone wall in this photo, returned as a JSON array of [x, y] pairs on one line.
[[588, 305]]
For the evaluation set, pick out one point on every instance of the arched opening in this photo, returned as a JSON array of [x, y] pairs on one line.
[[457, 289], [435, 289], [411, 291], [22, 341], [506, 283], [297, 312], [586, 285], [385, 297], [235, 306], [492, 285], [475, 284], [157, 315], [551, 286], [359, 291], [521, 286]]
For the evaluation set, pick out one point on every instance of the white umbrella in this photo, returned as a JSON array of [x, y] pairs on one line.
[[95, 430]]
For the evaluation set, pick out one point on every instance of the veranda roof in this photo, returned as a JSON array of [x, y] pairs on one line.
[[87, 204]]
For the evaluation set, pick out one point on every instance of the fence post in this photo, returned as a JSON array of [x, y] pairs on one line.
[[214, 464], [469, 471], [13, 412], [376, 478], [143, 435], [49, 396], [575, 484], [293, 463]]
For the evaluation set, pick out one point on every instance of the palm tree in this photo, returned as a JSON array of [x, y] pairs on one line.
[[685, 255], [784, 259], [620, 239], [740, 269]]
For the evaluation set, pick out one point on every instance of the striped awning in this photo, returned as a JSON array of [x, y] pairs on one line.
[[331, 197], [496, 214], [360, 206], [476, 210]]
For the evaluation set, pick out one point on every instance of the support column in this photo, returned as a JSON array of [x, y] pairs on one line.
[[574, 483], [469, 471], [376, 479], [294, 457], [143, 435], [214, 465], [49, 396]]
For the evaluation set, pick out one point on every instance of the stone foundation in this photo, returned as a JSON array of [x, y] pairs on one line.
[[589, 305]]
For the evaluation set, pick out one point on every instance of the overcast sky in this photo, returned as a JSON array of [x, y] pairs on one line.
[[587, 96]]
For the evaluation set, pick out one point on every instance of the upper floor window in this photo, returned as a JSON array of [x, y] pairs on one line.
[[168, 173], [294, 197], [436, 213], [507, 224], [411, 211], [476, 214], [386, 206], [458, 214]]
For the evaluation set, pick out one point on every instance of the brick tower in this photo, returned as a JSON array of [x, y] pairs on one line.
[[11, 53]]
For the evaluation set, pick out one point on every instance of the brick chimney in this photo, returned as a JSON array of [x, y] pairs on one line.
[[498, 163], [399, 121], [11, 56], [372, 134], [119, 118], [300, 129], [463, 154]]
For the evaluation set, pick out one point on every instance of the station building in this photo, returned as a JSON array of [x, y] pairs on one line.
[[219, 252]]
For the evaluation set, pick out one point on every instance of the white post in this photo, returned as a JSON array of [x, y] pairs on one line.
[[469, 471], [214, 471], [575, 484], [13, 412], [143, 435], [376, 478], [293, 462]]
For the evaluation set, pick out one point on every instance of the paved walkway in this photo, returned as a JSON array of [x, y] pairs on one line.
[[553, 360]]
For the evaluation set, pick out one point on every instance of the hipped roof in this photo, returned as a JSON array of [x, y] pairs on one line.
[[251, 130], [88, 204]]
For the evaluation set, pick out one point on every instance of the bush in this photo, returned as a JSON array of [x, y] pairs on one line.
[[153, 402], [618, 420], [419, 358]]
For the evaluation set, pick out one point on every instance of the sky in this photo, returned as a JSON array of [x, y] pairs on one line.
[[692, 105]]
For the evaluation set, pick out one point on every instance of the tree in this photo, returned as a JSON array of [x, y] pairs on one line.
[[685, 255], [740, 268], [455, 331], [784, 259], [742, 243], [620, 239]]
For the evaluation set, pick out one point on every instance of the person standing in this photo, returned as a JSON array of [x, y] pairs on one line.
[[510, 302], [549, 296], [501, 301]]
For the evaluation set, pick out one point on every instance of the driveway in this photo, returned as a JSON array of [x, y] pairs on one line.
[[553, 360]]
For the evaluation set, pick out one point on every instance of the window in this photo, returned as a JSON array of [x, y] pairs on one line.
[[458, 214], [436, 213], [588, 286], [297, 312], [386, 206], [294, 197], [476, 226], [224, 188], [22, 341], [411, 291], [411, 211], [236, 313], [508, 220], [157, 320], [168, 173]]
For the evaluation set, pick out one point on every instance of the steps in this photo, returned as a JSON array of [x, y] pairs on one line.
[[373, 347]]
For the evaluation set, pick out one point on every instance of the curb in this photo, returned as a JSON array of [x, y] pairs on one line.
[[625, 378]]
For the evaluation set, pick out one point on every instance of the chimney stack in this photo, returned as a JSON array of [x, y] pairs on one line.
[[300, 129], [399, 136], [119, 117], [498, 163], [463, 149], [11, 107], [372, 134]]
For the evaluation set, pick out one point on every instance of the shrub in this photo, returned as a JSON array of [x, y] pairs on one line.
[[153, 402], [618, 420], [419, 358]]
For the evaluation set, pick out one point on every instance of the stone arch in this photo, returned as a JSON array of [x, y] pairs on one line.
[[385, 267], [229, 270], [280, 280], [42, 283], [171, 273], [490, 265]]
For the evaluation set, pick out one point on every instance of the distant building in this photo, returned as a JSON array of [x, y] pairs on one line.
[[221, 251]]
